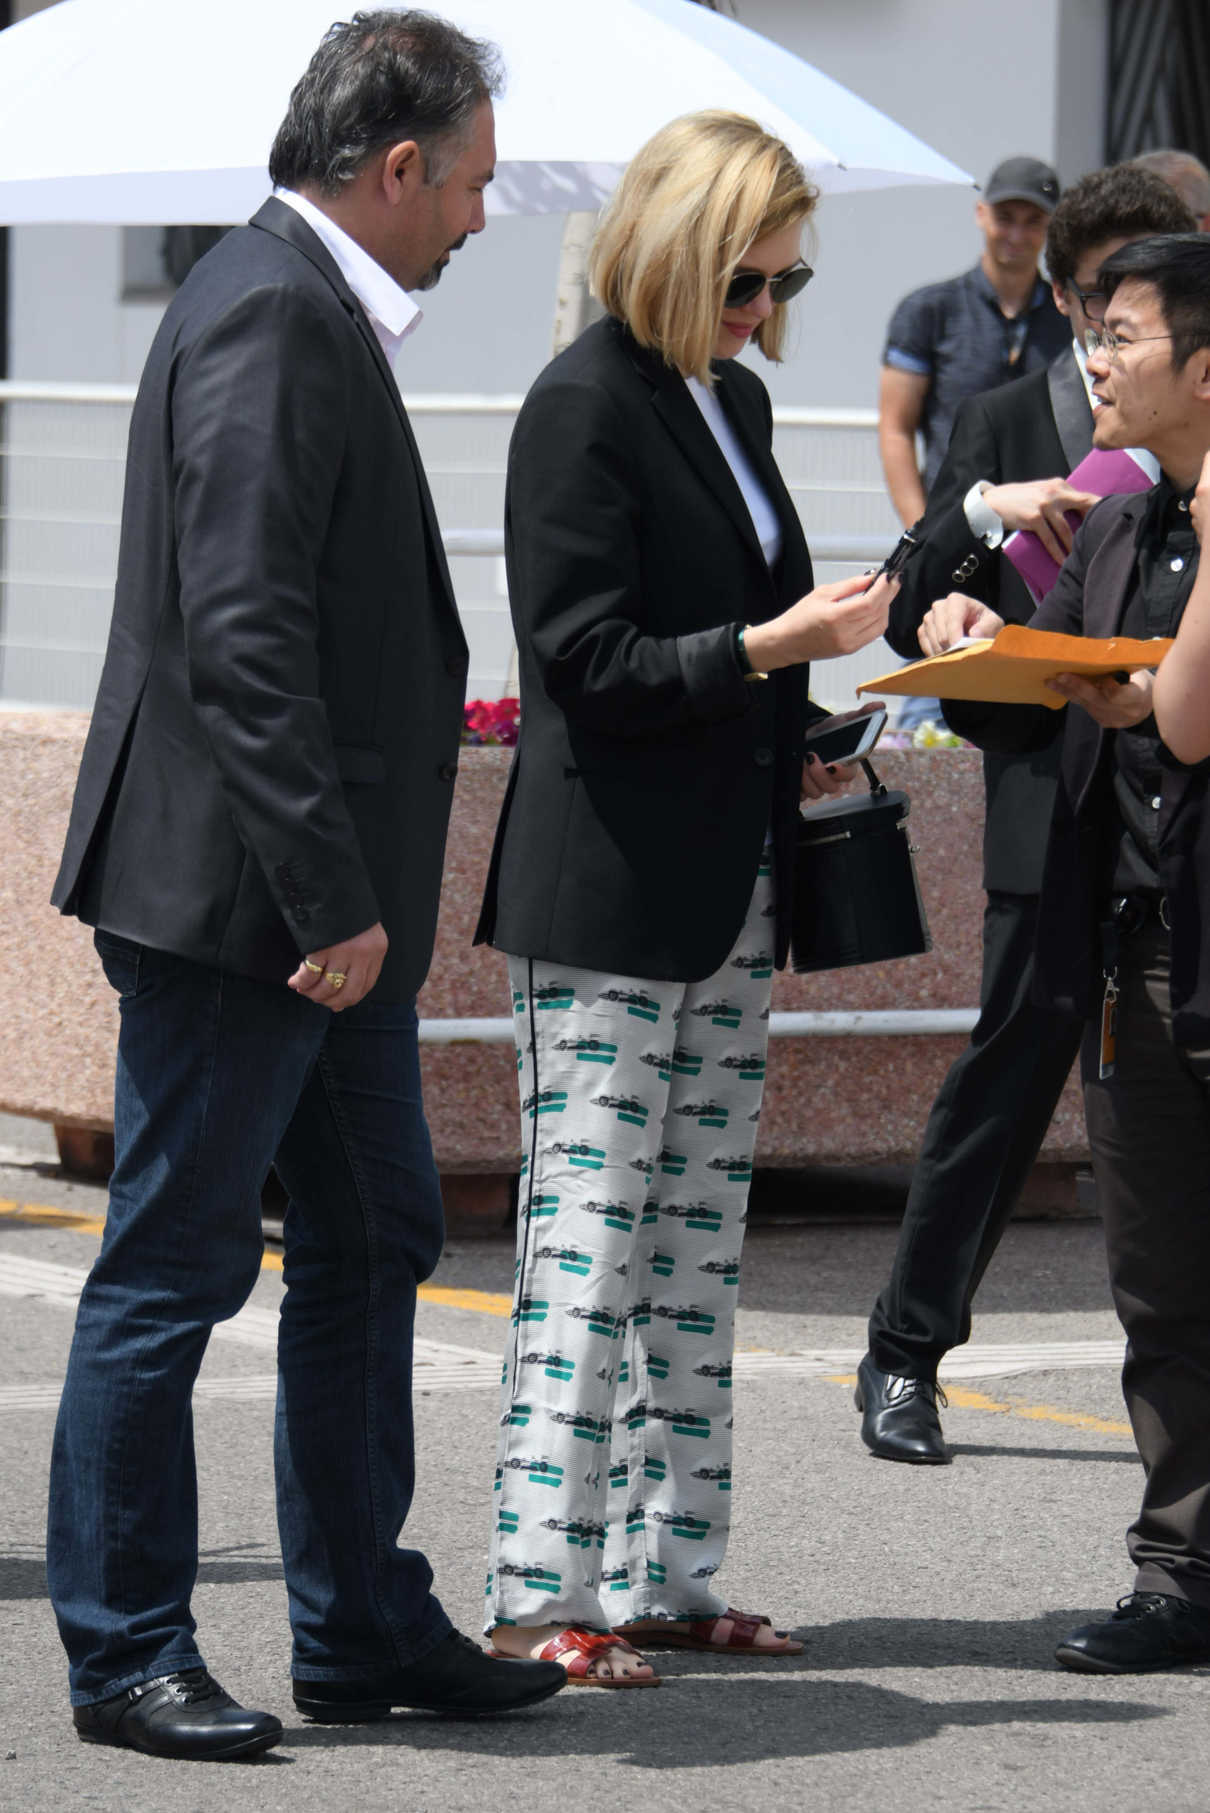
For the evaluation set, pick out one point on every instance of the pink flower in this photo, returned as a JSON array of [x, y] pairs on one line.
[[491, 721]]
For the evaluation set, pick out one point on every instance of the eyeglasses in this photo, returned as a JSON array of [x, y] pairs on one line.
[[1088, 298], [746, 286], [1107, 342]]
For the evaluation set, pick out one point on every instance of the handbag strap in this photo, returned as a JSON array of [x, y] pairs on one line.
[[877, 787]]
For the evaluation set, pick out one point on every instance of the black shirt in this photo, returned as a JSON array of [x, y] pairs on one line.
[[1167, 565]]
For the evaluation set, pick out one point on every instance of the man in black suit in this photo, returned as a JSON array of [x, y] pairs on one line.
[[1123, 935], [991, 1114], [257, 837]]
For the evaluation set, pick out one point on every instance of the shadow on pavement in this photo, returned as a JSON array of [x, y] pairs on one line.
[[1081, 1454], [711, 1721]]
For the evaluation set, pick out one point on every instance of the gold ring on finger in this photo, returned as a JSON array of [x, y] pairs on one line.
[[316, 969], [337, 977]]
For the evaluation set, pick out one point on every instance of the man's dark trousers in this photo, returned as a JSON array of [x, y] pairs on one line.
[[1149, 1130], [983, 1134], [220, 1076]]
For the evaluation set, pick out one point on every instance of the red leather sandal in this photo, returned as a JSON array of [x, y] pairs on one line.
[[745, 1627], [584, 1647]]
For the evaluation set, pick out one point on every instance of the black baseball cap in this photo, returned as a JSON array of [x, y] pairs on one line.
[[1024, 179]]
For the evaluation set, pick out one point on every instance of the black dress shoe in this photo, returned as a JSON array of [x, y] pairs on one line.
[[899, 1416], [183, 1715], [1148, 1630], [456, 1676]]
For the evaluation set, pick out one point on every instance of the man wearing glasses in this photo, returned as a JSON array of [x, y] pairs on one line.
[[1122, 928], [991, 1114]]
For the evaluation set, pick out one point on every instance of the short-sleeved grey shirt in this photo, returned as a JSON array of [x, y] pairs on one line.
[[955, 333]]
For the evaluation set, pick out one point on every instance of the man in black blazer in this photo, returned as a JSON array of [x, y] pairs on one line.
[[1001, 473], [1123, 934], [257, 838]]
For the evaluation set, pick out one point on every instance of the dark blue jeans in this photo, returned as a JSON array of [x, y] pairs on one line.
[[218, 1078]]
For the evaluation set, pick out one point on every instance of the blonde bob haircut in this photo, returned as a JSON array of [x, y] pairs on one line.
[[691, 202]]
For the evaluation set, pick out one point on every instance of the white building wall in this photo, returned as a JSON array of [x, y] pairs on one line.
[[979, 80]]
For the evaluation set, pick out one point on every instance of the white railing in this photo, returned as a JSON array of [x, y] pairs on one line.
[[62, 455]]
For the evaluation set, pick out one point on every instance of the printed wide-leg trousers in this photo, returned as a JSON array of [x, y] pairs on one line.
[[639, 1107]]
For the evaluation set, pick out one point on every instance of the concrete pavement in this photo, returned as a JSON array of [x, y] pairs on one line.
[[930, 1598]]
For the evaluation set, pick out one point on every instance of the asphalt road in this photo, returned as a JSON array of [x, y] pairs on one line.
[[930, 1598]]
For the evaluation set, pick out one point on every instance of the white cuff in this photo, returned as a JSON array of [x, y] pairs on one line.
[[981, 519]]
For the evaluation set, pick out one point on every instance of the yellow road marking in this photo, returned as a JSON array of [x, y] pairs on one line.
[[961, 1399], [496, 1303]]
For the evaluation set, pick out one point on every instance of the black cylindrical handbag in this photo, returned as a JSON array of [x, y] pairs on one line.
[[856, 896]]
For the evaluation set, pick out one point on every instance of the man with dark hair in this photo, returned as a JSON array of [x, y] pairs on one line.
[[1122, 931], [953, 339], [257, 837], [991, 1114]]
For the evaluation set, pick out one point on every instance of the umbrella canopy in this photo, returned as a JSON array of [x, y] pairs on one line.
[[153, 110]]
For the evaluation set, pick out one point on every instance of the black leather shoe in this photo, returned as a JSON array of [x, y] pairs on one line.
[[456, 1676], [1147, 1631], [899, 1417], [183, 1715]]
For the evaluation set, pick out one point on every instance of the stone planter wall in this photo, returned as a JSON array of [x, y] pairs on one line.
[[831, 1101]]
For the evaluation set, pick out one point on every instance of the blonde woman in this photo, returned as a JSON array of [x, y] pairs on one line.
[[662, 598]]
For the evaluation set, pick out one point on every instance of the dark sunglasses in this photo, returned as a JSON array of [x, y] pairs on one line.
[[746, 286], [1088, 298]]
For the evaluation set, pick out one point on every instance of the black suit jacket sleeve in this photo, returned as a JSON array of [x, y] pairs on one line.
[[576, 577], [950, 558], [1014, 729], [259, 415]]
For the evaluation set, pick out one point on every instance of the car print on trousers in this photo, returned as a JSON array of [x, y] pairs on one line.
[[590, 1050], [759, 965], [657, 1367], [540, 1472], [637, 1002], [690, 1320], [718, 1476], [725, 1269], [599, 1321], [517, 1416], [660, 1062], [583, 1426], [531, 1309], [578, 1153], [616, 1579], [554, 1365], [579, 1535], [738, 1169], [663, 1264], [542, 1205], [720, 1013], [750, 1065], [544, 1101], [719, 1372], [543, 1579], [628, 1108], [570, 1259], [556, 996], [654, 1468], [684, 1524], [617, 1215], [672, 1163], [686, 1062], [698, 1216], [706, 1114], [684, 1422]]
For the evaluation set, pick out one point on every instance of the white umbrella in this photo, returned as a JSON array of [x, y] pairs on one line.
[[128, 111]]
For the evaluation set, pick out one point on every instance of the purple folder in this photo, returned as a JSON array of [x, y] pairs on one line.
[[1109, 474]]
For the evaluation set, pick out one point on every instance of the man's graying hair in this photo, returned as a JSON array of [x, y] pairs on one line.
[[375, 81]]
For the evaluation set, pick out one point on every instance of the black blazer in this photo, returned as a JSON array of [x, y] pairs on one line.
[[647, 770], [269, 765], [1090, 598], [1039, 426]]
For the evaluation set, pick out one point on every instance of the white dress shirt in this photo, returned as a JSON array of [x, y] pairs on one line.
[[392, 313], [764, 516]]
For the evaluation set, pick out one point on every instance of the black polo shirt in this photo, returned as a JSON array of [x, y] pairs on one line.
[[956, 334]]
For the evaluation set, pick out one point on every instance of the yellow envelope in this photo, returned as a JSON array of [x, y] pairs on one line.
[[1012, 667]]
